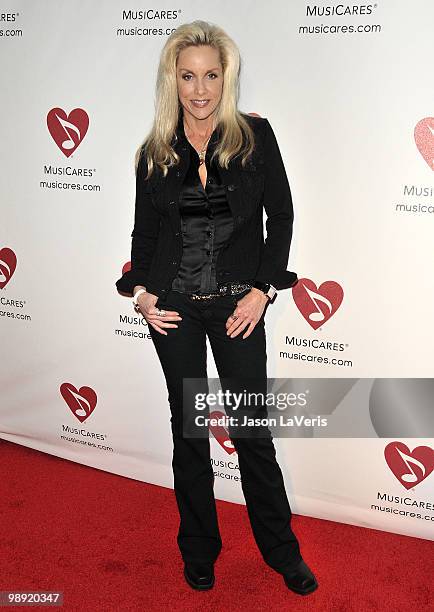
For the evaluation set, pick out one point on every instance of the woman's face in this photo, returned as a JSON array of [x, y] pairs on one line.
[[199, 76]]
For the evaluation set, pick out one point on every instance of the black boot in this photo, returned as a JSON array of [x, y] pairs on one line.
[[199, 576], [300, 579]]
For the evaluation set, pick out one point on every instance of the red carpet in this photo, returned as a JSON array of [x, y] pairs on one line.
[[109, 544]]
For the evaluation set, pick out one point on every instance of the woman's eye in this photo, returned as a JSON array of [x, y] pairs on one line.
[[186, 76]]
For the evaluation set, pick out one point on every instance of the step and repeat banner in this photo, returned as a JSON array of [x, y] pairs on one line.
[[347, 88]]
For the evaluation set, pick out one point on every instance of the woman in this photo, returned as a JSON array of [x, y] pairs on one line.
[[199, 267]]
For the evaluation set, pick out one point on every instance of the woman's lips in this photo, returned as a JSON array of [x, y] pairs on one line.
[[199, 103]]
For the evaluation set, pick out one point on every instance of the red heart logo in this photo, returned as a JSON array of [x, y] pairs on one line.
[[67, 131], [317, 305], [8, 263], [81, 402], [424, 138], [410, 468], [220, 432], [126, 267]]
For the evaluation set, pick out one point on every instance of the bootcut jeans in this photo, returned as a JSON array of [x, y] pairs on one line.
[[183, 354]]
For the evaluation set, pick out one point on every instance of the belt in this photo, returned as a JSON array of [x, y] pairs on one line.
[[228, 289]]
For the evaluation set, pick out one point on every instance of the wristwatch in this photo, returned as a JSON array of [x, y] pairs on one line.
[[267, 288]]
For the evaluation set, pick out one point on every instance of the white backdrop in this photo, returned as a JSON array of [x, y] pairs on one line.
[[349, 95]]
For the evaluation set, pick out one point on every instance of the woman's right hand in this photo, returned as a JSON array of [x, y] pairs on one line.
[[146, 302]]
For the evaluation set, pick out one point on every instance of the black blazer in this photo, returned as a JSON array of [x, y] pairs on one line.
[[156, 246]]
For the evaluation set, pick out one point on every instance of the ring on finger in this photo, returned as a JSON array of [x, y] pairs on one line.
[[161, 313]]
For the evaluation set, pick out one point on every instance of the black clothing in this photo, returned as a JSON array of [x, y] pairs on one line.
[[183, 354], [206, 222], [163, 258], [157, 244]]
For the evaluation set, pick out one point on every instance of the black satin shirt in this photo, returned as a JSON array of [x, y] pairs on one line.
[[206, 222]]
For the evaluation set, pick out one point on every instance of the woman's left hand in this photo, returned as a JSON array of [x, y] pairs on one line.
[[249, 311]]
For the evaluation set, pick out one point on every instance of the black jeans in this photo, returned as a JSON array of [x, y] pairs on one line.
[[183, 354]]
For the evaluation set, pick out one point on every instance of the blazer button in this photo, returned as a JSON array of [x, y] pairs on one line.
[[178, 173], [177, 234], [174, 262], [231, 187], [172, 203]]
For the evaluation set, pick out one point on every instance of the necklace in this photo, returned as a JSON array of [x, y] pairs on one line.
[[202, 151]]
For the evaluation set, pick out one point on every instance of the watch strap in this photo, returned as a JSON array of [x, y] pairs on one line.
[[136, 295], [267, 288]]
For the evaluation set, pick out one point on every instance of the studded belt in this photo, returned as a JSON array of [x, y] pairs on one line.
[[228, 289]]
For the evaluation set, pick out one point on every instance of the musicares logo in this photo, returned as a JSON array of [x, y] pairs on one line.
[[220, 432], [81, 402], [410, 467], [67, 131], [8, 263], [424, 138], [317, 305]]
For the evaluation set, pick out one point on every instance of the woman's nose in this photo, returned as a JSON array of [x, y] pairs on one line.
[[200, 88]]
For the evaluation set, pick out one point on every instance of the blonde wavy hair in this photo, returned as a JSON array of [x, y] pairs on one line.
[[237, 137]]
